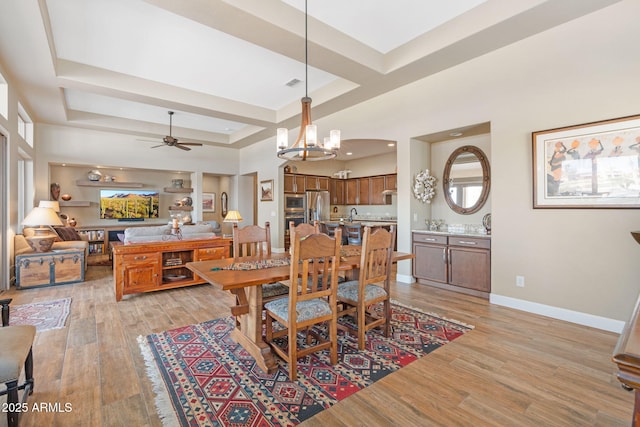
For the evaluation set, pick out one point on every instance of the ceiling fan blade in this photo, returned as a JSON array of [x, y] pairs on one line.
[[182, 148], [196, 144], [156, 146]]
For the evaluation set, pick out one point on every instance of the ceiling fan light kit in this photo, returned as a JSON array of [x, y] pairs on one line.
[[307, 146], [170, 141]]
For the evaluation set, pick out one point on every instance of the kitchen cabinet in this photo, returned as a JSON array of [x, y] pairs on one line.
[[391, 182], [337, 191], [351, 193], [294, 183], [456, 262], [376, 187], [316, 183], [363, 191]]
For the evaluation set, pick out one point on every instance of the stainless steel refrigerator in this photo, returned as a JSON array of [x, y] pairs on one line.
[[316, 206]]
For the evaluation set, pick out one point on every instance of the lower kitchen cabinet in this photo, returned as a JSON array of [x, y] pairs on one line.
[[454, 262]]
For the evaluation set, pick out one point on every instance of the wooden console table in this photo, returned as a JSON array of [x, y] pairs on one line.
[[154, 266]]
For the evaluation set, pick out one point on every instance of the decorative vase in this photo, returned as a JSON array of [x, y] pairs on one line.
[[177, 183], [72, 222], [187, 201], [94, 175]]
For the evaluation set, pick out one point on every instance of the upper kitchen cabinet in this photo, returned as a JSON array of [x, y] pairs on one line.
[[337, 191], [294, 183], [364, 189], [316, 183], [351, 193], [376, 188], [391, 182]]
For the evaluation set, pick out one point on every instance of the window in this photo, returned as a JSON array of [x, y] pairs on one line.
[[4, 98], [25, 125]]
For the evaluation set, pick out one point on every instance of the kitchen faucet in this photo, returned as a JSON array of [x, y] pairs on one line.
[[351, 214]]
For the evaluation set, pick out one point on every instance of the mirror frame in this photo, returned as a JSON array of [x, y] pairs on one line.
[[486, 179]]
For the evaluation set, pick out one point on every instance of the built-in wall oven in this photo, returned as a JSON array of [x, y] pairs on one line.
[[297, 218]]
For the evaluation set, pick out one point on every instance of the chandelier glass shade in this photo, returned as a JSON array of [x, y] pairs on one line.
[[307, 146]]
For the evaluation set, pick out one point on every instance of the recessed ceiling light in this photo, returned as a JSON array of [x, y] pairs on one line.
[[455, 134], [349, 153]]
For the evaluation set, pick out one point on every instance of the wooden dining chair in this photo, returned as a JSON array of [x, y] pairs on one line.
[[303, 229], [251, 241], [314, 259], [356, 297]]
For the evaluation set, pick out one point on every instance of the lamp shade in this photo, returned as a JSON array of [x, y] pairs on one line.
[[53, 204], [42, 216], [233, 216]]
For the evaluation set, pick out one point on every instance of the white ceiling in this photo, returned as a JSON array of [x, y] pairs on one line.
[[223, 65]]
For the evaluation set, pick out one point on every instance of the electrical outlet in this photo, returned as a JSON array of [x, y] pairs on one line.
[[520, 281]]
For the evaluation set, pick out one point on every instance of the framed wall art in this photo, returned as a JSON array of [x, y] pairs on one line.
[[266, 190], [593, 165], [208, 202]]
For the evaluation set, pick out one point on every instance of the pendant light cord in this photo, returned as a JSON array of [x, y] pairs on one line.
[[306, 53]]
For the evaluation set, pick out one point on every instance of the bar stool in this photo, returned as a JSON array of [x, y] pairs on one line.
[[354, 234], [330, 228]]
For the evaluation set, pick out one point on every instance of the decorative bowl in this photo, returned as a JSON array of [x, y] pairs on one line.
[[94, 175], [66, 197]]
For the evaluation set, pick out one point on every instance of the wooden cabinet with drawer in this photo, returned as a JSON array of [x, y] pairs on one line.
[[146, 267], [454, 262]]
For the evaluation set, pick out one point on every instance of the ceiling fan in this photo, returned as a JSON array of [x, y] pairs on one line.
[[170, 141]]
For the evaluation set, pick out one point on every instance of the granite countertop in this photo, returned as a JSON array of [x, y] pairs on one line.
[[453, 233], [365, 223]]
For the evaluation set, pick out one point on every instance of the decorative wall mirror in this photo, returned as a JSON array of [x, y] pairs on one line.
[[223, 204], [467, 180]]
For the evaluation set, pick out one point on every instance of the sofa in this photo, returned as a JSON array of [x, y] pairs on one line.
[[68, 238], [155, 233]]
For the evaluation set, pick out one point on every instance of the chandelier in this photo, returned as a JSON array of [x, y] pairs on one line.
[[307, 146]]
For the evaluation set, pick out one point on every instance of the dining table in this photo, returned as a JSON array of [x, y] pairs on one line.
[[244, 277]]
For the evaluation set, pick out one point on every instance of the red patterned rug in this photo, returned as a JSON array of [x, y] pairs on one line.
[[44, 316], [203, 378]]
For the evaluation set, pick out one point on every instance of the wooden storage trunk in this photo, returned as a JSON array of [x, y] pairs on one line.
[[49, 268]]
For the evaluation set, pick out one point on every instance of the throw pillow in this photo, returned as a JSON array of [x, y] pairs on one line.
[[67, 233]]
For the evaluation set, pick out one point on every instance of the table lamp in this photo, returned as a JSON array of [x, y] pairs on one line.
[[233, 216], [53, 204], [43, 237]]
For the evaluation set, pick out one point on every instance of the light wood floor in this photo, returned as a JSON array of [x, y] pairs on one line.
[[514, 369]]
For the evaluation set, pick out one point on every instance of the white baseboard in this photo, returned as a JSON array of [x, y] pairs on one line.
[[405, 278], [584, 319]]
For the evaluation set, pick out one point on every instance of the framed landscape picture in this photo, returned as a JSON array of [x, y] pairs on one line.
[[266, 190], [594, 165], [208, 202]]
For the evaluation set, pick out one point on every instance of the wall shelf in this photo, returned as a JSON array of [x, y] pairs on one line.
[[74, 203], [180, 208], [109, 184], [178, 190]]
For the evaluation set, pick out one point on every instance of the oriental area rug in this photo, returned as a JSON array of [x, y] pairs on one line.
[[203, 378], [44, 316]]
